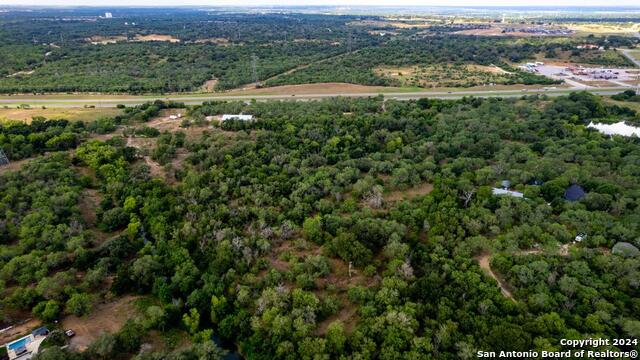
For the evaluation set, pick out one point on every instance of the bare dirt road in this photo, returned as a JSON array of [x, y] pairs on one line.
[[484, 261]]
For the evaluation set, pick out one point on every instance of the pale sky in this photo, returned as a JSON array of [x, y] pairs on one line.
[[555, 3]]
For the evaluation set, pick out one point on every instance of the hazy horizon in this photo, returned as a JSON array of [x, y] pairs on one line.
[[331, 3]]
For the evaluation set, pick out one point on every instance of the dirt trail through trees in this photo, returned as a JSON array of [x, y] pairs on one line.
[[484, 261]]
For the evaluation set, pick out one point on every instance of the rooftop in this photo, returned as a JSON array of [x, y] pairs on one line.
[[498, 191], [237, 117], [574, 193]]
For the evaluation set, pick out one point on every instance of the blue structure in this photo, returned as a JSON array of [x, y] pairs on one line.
[[574, 193], [41, 331], [19, 344]]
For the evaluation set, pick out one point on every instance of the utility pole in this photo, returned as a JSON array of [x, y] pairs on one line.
[[350, 265], [254, 69], [4, 160]]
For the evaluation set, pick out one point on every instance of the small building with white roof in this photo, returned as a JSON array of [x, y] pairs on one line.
[[241, 117], [498, 191]]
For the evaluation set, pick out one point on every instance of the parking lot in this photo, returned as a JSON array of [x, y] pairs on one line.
[[584, 77]]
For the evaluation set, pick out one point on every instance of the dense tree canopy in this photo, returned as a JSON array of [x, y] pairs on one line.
[[344, 227], [158, 51]]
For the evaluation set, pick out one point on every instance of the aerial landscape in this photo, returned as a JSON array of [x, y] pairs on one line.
[[319, 181]]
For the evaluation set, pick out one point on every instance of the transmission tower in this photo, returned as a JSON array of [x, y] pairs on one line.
[[4, 160], [254, 69]]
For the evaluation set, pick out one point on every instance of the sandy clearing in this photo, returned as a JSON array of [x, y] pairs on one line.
[[156, 37], [108, 317], [29, 72], [494, 69], [209, 85], [103, 40]]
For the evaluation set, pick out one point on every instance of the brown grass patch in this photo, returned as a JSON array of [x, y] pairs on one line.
[[71, 114], [408, 194], [348, 314], [217, 41], [600, 28], [89, 202], [210, 85], [108, 317], [14, 165], [319, 88]]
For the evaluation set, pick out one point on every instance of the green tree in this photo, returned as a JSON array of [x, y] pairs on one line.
[[191, 320], [47, 310], [104, 347], [312, 228], [79, 304], [336, 337]]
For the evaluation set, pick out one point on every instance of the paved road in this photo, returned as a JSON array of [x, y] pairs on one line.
[[198, 99]]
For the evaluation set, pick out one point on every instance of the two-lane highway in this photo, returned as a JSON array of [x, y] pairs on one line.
[[194, 99]]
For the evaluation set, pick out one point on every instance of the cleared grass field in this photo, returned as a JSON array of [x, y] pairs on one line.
[[446, 75], [609, 58], [635, 54], [605, 29], [630, 104], [72, 114]]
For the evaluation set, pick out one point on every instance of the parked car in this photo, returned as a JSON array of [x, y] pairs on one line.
[[70, 333]]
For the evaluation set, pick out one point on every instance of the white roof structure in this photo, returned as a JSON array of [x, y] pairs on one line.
[[226, 117], [580, 237], [497, 191]]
